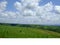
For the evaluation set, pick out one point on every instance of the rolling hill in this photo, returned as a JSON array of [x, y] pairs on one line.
[[27, 31]]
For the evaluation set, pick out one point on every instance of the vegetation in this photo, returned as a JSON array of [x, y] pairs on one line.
[[29, 31]]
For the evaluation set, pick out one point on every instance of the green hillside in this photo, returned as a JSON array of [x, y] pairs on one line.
[[8, 31]]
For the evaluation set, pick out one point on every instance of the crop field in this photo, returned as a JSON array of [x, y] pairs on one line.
[[8, 31]]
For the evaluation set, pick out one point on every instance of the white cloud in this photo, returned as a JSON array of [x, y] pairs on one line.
[[57, 8], [29, 12], [9, 14], [3, 6], [29, 1], [18, 6], [48, 6], [43, 14]]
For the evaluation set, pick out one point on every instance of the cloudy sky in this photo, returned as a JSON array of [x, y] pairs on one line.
[[46, 12]]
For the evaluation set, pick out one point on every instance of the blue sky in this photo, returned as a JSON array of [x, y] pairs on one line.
[[45, 12], [42, 2], [55, 2]]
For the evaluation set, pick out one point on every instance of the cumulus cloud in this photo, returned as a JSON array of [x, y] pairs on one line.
[[3, 6], [6, 15], [30, 12], [57, 8], [9, 17], [43, 14], [18, 6]]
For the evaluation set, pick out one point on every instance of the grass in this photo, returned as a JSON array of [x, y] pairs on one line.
[[7, 31]]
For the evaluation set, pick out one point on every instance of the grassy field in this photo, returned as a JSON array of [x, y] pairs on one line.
[[7, 31]]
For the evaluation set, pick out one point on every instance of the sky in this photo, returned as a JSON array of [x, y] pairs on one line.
[[45, 12]]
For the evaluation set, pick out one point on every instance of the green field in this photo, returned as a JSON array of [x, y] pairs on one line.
[[8, 31]]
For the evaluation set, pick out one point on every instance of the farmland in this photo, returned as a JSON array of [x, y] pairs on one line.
[[29, 31]]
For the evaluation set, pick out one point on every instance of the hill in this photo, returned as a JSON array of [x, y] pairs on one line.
[[21, 31]]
